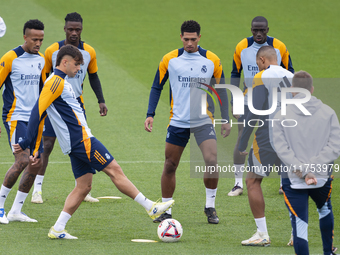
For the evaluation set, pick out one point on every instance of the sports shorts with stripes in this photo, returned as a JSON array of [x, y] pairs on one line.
[[16, 132], [89, 156]]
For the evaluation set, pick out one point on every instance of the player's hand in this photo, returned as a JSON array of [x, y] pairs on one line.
[[148, 124], [243, 153], [34, 159], [225, 130], [17, 148], [311, 179], [102, 109]]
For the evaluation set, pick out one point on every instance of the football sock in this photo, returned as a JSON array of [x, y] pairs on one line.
[[280, 180], [3, 195], [62, 221], [261, 224], [210, 197], [18, 202], [239, 175], [166, 200], [143, 201], [38, 183]]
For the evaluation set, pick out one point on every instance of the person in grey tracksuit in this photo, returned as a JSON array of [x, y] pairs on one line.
[[308, 150]]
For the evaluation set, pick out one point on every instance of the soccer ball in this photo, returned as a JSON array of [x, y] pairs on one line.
[[170, 230]]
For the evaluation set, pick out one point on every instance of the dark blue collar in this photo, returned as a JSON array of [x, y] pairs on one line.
[[59, 73]]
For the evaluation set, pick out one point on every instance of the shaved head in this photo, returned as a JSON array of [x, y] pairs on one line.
[[265, 57], [267, 52], [259, 19]]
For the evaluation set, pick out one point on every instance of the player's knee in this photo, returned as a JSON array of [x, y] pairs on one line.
[[211, 160], [251, 182], [22, 162], [83, 189], [48, 147], [170, 166], [88, 189]]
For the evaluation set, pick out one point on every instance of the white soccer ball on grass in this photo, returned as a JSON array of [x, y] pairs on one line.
[[170, 230]]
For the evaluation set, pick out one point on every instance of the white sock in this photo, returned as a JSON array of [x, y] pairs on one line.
[[62, 221], [261, 224], [210, 195], [18, 202], [143, 201], [38, 183], [280, 180], [239, 175], [166, 200], [3, 195]]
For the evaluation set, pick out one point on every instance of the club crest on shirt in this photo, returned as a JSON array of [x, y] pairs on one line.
[[204, 69]]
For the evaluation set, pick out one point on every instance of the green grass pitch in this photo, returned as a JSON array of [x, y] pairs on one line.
[[130, 38]]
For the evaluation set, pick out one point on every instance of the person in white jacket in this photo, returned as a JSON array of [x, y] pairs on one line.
[[308, 146]]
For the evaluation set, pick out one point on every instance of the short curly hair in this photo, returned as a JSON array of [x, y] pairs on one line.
[[190, 26], [33, 24], [73, 16]]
